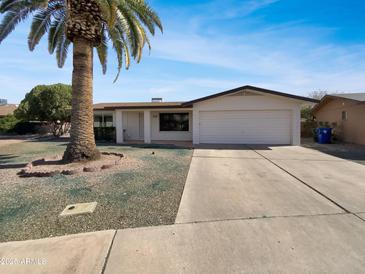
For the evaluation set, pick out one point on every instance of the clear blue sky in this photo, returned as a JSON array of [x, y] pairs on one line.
[[294, 46]]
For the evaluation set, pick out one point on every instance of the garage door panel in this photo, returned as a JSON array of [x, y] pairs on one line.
[[245, 127]]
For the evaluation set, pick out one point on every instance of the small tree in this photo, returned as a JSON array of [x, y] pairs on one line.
[[318, 94], [308, 122], [50, 104]]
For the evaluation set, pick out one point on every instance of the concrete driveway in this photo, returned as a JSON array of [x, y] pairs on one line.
[[257, 210], [269, 181], [247, 210], [236, 184]]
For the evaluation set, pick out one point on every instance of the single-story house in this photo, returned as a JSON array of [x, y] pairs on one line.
[[245, 115], [7, 109], [345, 113]]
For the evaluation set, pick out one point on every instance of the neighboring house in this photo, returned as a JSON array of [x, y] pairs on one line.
[[245, 115], [345, 113], [7, 109]]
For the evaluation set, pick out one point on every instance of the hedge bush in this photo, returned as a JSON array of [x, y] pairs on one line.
[[8, 123], [23, 128], [105, 134]]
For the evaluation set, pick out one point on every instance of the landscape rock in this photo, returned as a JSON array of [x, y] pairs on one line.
[[106, 166], [38, 162], [69, 172], [90, 169]]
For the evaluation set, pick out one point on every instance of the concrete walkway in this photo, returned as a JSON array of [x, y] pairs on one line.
[[247, 210]]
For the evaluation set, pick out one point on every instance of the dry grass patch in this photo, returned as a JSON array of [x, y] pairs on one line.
[[144, 190]]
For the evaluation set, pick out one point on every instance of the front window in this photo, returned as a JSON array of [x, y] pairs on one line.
[[344, 115], [103, 120], [98, 120], [174, 121], [108, 120]]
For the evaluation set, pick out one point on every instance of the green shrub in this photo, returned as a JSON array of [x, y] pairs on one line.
[[105, 134], [8, 123], [23, 128]]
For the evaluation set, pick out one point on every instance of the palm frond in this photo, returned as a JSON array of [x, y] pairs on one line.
[[15, 12], [108, 8], [55, 32], [10, 20], [126, 23], [62, 50], [118, 47], [42, 21], [146, 15], [40, 25], [102, 50], [7, 5], [131, 28]]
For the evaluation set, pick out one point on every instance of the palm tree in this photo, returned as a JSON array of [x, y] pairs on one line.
[[87, 24]]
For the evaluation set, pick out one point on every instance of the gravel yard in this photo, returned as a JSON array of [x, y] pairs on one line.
[[145, 190]]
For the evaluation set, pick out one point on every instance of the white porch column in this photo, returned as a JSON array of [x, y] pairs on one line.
[[119, 126], [147, 126], [196, 127], [296, 127]]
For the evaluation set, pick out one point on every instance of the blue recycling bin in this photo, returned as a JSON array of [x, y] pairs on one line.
[[324, 135]]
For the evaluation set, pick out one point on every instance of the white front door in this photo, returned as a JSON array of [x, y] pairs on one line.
[[133, 125]]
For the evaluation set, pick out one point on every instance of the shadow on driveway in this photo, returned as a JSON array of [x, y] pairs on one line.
[[352, 152], [234, 147]]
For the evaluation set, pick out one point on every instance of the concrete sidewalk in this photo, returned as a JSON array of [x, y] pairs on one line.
[[80, 253], [306, 244]]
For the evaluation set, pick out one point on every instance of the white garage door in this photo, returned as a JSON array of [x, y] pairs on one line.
[[245, 127]]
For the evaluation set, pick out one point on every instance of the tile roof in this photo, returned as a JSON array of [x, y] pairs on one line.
[[359, 97], [7, 109], [352, 96]]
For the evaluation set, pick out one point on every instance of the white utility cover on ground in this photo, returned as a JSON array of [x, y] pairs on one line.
[[77, 209]]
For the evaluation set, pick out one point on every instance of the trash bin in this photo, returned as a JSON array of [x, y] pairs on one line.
[[324, 135]]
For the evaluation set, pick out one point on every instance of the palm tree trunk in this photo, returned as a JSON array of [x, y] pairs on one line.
[[82, 144]]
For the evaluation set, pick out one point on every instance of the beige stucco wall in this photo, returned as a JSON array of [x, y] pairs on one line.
[[351, 130]]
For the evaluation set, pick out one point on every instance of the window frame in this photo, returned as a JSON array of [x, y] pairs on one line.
[[103, 122], [99, 120], [344, 115], [187, 114]]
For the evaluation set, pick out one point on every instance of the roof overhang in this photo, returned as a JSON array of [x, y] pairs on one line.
[[189, 104], [145, 107], [257, 89]]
